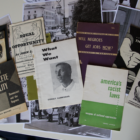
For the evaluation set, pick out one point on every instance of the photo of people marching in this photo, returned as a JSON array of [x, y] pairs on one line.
[[62, 120], [66, 115]]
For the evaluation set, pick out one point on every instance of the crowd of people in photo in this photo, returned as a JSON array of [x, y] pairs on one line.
[[66, 115]]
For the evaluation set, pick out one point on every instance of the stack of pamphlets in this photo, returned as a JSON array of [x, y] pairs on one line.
[[61, 77]]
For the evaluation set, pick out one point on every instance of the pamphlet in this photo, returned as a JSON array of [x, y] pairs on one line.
[[103, 99], [58, 75], [23, 36]]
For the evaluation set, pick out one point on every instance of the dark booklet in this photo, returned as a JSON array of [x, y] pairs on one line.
[[12, 100], [129, 55], [4, 44], [97, 44]]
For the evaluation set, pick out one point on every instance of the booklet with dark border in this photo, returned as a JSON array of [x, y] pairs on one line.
[[12, 100]]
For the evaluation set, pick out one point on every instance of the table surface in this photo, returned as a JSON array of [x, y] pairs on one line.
[[130, 129]]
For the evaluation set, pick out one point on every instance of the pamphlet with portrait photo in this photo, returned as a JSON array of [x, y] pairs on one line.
[[58, 75]]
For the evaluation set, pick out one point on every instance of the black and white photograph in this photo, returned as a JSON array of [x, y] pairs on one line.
[[61, 16], [112, 4], [24, 117], [125, 17], [137, 93], [128, 54], [62, 120], [7, 20], [134, 95], [64, 76], [130, 3], [108, 17], [109, 4]]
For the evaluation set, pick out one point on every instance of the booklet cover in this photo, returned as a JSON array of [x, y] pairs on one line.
[[103, 99], [12, 100], [97, 44], [23, 36], [129, 55], [126, 17], [31, 88], [4, 44], [64, 121], [134, 95], [58, 75]]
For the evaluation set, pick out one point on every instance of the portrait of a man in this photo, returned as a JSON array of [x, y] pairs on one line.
[[63, 74]]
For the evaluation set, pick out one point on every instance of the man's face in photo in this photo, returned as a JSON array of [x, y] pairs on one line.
[[63, 73]]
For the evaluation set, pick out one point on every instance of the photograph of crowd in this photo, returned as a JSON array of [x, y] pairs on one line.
[[62, 120]]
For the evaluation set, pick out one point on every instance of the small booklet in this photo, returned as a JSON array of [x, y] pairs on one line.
[[12, 100], [103, 99], [23, 36], [97, 44], [134, 95], [58, 75]]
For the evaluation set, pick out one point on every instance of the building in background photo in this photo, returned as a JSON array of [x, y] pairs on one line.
[[112, 4], [108, 17], [109, 4], [61, 16]]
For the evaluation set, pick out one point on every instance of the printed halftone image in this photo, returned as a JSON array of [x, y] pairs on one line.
[[64, 76]]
